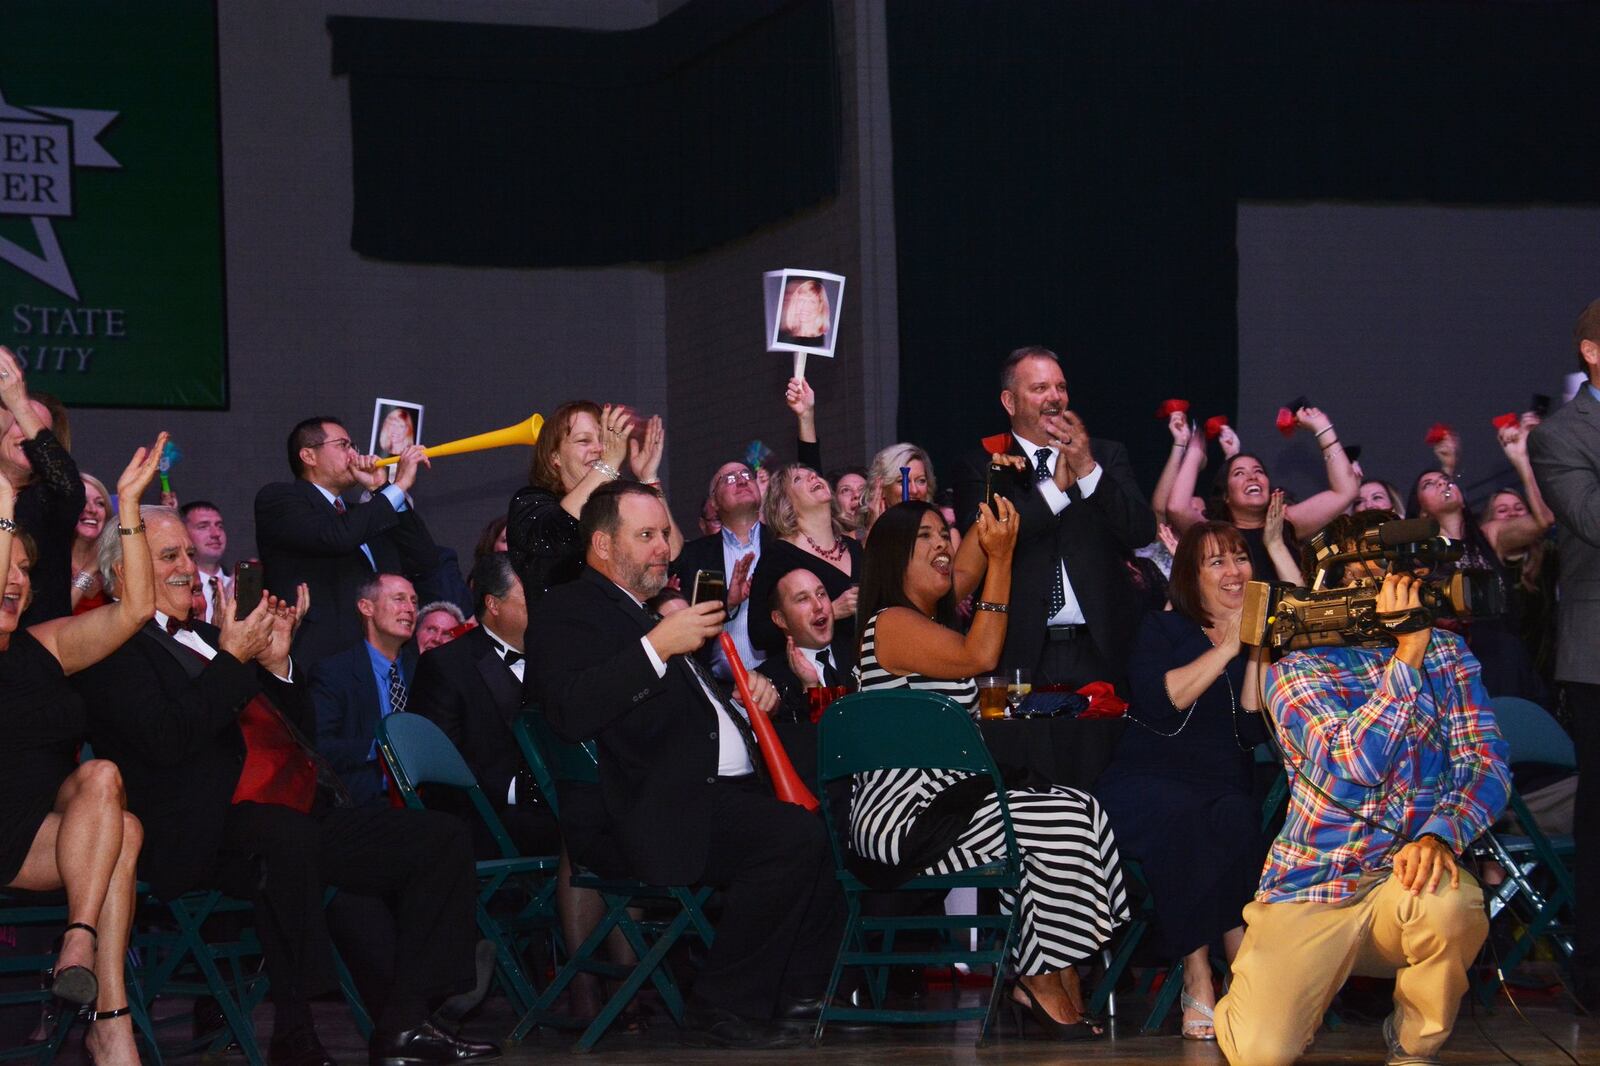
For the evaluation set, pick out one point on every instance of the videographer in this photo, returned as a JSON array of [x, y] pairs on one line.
[[1396, 765]]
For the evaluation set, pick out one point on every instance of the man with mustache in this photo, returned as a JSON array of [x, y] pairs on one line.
[[1073, 607], [367, 681], [207, 725], [684, 796]]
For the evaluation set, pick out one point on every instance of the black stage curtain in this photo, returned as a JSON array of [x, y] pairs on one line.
[[494, 145], [1067, 173]]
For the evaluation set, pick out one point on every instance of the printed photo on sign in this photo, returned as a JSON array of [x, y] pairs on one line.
[[396, 425], [803, 310]]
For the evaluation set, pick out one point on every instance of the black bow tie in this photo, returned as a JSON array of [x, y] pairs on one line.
[[511, 656], [175, 624]]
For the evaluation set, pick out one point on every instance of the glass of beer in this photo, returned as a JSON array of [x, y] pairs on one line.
[[1019, 683], [992, 696]]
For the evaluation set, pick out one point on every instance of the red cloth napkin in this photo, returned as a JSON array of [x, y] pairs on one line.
[[1103, 701], [1170, 407], [1285, 421], [1507, 420], [1438, 432], [1215, 425]]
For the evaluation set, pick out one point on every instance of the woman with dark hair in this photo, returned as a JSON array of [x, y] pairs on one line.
[[1178, 789], [582, 447], [1071, 896], [491, 539], [64, 824], [1244, 495], [1508, 668], [1379, 495], [803, 516]]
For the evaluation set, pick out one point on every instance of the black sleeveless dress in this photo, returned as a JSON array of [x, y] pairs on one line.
[[42, 721]]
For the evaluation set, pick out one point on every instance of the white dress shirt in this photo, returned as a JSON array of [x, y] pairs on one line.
[[195, 643], [1071, 613], [518, 669]]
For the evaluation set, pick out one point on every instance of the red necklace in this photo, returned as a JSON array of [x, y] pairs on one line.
[[833, 554]]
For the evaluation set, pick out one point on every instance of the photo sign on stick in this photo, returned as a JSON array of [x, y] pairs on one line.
[[803, 308], [396, 425]]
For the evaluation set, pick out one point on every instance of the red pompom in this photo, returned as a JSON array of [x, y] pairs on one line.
[[1170, 407], [1215, 425], [1438, 432], [1509, 420], [1286, 421]]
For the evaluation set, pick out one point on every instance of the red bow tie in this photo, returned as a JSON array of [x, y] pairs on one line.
[[175, 624]]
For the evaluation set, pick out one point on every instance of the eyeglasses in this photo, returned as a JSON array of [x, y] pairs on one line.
[[337, 442], [738, 477]]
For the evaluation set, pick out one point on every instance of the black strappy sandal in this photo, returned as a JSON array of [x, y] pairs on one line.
[[75, 984]]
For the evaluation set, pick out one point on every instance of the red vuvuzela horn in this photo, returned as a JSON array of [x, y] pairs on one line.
[[785, 781]]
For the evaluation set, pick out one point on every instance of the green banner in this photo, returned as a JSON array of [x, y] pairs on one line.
[[111, 285]]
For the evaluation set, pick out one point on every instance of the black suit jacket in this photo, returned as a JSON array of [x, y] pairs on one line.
[[344, 692], [657, 736], [170, 723], [705, 553], [1092, 534], [472, 695], [302, 538], [793, 703]]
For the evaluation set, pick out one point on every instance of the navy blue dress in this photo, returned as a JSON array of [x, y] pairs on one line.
[[1178, 790], [43, 722]]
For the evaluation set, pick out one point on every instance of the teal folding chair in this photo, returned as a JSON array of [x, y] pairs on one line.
[[1537, 893], [30, 910], [555, 763], [418, 753], [901, 730]]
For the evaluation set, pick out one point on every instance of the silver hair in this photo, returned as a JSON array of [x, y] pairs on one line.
[[442, 605], [108, 549]]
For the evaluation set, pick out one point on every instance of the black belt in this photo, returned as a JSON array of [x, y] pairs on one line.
[[1077, 632]]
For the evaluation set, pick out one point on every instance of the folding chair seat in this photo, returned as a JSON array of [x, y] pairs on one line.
[[901, 730], [48, 911], [1537, 895], [556, 763], [418, 753]]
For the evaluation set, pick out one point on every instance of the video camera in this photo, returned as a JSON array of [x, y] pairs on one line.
[[1280, 617]]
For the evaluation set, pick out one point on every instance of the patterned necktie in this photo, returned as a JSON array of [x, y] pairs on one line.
[[830, 676], [734, 712], [397, 689], [338, 505], [216, 600], [1058, 591]]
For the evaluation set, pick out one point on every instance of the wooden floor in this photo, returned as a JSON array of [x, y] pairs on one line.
[[1472, 1043]]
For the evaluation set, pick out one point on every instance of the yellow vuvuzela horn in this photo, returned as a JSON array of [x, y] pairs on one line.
[[526, 432]]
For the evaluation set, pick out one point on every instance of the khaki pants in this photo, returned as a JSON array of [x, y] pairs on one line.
[[1296, 956]]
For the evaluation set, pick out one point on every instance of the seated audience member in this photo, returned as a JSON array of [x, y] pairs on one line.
[[1178, 790], [367, 681], [583, 446], [885, 480], [684, 795], [87, 593], [49, 491], [492, 539], [800, 608], [1364, 877], [1075, 608], [64, 825], [733, 553], [472, 687], [203, 520], [1071, 897], [308, 534], [1378, 495], [1508, 666], [849, 488], [436, 622], [808, 533], [1244, 493], [208, 725]]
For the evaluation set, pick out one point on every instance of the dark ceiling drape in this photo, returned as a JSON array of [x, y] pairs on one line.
[[499, 145]]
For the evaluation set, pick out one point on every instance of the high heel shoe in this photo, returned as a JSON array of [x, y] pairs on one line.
[[75, 984], [1081, 1029]]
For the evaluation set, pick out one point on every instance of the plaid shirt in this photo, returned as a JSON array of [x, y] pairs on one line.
[[1417, 752]]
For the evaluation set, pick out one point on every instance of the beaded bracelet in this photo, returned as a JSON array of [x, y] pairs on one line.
[[997, 608], [607, 469], [7, 526]]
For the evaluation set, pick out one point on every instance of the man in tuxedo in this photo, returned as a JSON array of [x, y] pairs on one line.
[[203, 520], [733, 552], [206, 725], [472, 688], [1073, 607], [684, 793], [802, 610], [307, 533], [1565, 451], [367, 681]]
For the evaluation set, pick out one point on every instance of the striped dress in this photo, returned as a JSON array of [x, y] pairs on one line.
[[1071, 895]]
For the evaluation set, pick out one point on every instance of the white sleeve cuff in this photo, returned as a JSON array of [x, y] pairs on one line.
[[395, 497], [655, 660], [1090, 481], [1053, 496]]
